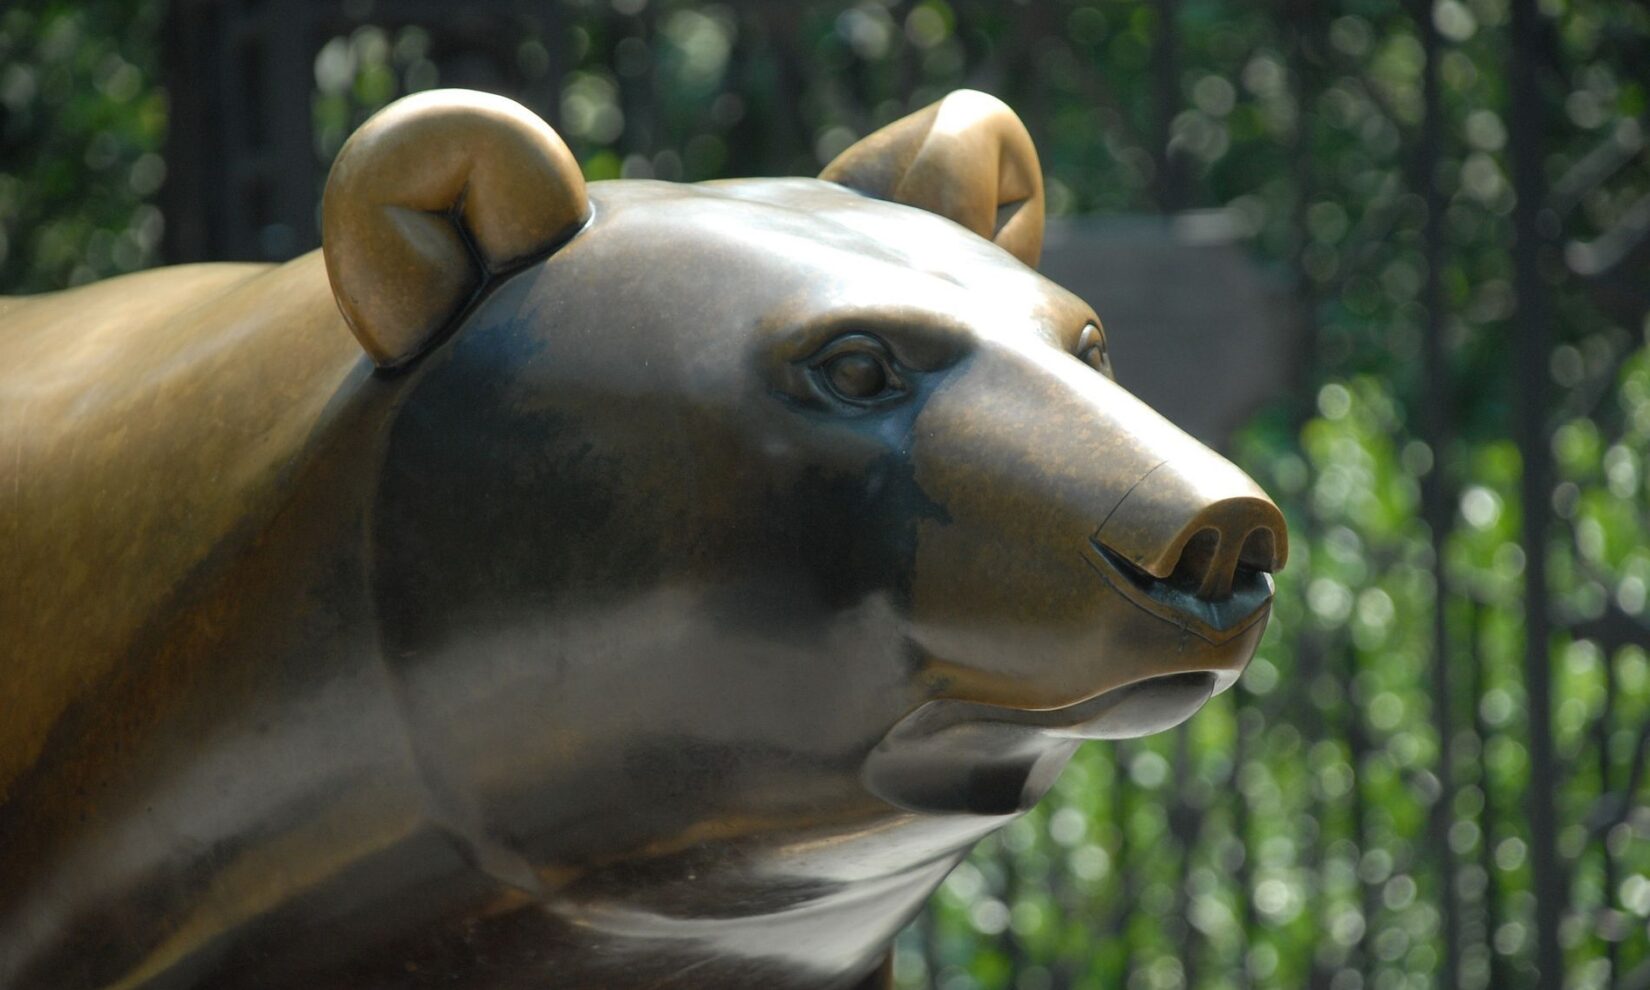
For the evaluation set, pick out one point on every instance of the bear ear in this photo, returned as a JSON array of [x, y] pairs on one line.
[[967, 158], [433, 196]]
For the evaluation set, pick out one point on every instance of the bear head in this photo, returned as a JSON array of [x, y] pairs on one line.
[[738, 542]]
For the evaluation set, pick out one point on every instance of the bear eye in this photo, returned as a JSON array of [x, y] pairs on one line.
[[1091, 349], [856, 376], [858, 369]]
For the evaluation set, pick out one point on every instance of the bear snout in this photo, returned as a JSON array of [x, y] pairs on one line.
[[1195, 541]]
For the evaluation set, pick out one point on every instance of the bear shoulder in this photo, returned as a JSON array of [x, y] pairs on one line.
[[148, 419]]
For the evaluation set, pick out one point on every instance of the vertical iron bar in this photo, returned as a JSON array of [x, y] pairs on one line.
[[1607, 864], [1487, 817], [1243, 875], [1171, 192], [1171, 196], [1128, 887], [1314, 650], [190, 59], [1184, 821], [1435, 494], [1525, 121], [1358, 750]]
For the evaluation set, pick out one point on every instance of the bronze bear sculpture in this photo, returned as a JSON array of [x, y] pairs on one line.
[[640, 585]]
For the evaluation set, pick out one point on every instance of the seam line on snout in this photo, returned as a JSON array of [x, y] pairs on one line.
[[1137, 483]]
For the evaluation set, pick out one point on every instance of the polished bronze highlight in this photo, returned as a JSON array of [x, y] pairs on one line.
[[967, 158], [432, 197]]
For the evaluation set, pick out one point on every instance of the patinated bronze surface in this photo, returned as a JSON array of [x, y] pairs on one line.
[[644, 585]]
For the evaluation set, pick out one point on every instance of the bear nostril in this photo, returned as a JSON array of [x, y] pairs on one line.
[[1260, 551], [1210, 560], [1196, 570]]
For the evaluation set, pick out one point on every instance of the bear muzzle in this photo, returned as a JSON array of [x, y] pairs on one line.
[[1183, 559]]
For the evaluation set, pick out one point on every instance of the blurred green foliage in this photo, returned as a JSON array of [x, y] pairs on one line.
[[82, 121], [1281, 838]]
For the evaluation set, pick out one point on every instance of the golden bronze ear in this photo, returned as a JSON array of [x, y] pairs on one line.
[[967, 158], [430, 198]]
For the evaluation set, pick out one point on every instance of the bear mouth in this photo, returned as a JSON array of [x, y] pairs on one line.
[[1214, 621], [963, 757]]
